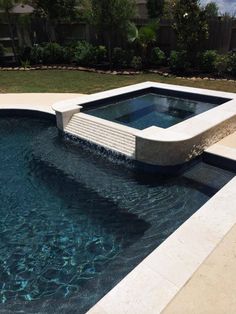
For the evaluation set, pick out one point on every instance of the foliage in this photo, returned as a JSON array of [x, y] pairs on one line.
[[84, 53], [25, 64], [191, 27], [222, 64], [155, 8], [2, 50], [119, 58], [68, 54], [211, 10], [36, 54], [168, 10], [136, 63], [100, 54], [157, 56], [147, 35], [6, 5], [55, 9], [111, 15], [208, 61], [111, 18], [52, 53], [132, 32], [232, 63], [144, 38], [179, 61]]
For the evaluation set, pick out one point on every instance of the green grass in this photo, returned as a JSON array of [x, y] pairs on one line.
[[59, 81]]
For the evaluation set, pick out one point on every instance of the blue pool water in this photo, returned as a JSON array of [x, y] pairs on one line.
[[151, 110], [73, 224]]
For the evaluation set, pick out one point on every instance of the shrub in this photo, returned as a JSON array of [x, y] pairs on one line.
[[208, 61], [25, 63], [2, 50], [67, 54], [84, 54], [36, 54], [222, 64], [232, 63], [52, 53], [25, 53], [100, 54], [136, 63], [179, 61], [157, 56], [119, 58]]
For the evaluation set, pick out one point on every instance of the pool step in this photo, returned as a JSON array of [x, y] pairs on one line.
[[102, 133], [222, 153]]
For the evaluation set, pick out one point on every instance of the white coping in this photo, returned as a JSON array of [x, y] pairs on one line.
[[156, 280], [41, 102], [180, 132], [29, 107]]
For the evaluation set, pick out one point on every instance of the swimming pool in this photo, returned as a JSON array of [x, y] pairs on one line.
[[74, 224], [151, 109]]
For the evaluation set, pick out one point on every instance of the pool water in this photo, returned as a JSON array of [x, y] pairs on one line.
[[151, 110], [73, 224]]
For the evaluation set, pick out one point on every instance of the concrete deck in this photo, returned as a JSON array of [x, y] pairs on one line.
[[212, 288], [225, 148], [34, 101]]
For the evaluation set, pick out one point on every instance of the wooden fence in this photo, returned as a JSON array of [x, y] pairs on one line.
[[222, 34]]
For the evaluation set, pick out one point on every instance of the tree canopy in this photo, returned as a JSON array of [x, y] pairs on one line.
[[111, 18], [212, 10], [155, 8], [191, 26], [55, 9]]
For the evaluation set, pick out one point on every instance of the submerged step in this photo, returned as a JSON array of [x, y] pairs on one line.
[[208, 175], [222, 153], [115, 139]]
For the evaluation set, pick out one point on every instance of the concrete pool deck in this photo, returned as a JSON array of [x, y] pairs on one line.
[[210, 289], [34, 101]]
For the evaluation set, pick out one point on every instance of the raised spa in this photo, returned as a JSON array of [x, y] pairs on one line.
[[73, 223], [153, 109], [156, 124]]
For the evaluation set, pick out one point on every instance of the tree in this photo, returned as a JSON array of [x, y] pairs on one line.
[[54, 11], [168, 10], [111, 18], [145, 37], [211, 10], [191, 27], [155, 8]]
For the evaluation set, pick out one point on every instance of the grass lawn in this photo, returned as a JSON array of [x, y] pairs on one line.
[[60, 81]]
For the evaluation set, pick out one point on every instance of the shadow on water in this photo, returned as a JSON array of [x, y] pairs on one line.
[[125, 226]]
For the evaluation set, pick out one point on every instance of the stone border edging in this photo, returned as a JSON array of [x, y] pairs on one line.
[[114, 72]]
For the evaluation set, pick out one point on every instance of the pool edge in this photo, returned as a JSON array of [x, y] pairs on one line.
[[174, 262]]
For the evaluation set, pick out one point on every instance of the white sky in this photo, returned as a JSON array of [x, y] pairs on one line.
[[224, 5]]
